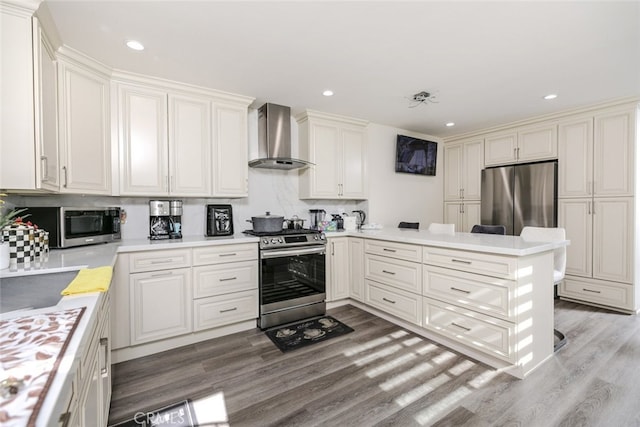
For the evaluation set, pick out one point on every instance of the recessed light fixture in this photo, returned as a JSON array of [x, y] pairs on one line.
[[328, 92], [550, 96], [449, 124], [135, 45]]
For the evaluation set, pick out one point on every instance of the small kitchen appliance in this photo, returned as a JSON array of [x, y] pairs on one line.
[[77, 226], [316, 216], [361, 217], [165, 219]]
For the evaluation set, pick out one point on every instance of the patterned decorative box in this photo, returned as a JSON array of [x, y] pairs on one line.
[[21, 238]]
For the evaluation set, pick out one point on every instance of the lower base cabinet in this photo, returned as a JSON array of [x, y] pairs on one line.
[[224, 309], [402, 304], [613, 295]]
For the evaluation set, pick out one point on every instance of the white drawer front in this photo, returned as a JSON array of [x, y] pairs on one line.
[[618, 295], [401, 274], [226, 309], [225, 253], [402, 304], [474, 262], [159, 260], [488, 295], [210, 280], [484, 333], [395, 250]]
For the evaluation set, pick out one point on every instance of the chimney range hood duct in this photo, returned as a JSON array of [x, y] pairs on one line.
[[274, 139]]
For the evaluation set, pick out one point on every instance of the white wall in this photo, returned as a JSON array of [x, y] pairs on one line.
[[395, 197]]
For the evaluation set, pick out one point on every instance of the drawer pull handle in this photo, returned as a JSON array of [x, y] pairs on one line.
[[104, 370], [167, 273], [230, 254], [461, 327], [389, 272], [461, 261], [228, 310], [228, 279], [388, 300], [592, 291], [460, 290], [388, 250], [162, 261]]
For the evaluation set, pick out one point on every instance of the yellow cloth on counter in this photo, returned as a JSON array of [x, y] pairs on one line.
[[90, 280]]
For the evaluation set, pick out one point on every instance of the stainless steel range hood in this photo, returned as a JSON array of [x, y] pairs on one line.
[[274, 139]]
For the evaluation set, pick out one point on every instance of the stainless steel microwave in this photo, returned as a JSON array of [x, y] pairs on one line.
[[70, 227]]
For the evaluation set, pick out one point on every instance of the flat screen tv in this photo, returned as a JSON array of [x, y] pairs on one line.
[[416, 156]]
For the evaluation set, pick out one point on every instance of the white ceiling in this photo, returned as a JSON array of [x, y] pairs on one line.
[[488, 63]]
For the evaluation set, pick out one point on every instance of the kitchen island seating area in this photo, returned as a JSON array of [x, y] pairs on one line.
[[540, 234]]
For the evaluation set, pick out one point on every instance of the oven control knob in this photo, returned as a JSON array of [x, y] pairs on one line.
[[265, 241], [280, 240], [274, 241], [315, 237]]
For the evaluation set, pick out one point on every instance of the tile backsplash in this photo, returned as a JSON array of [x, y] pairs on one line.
[[275, 191]]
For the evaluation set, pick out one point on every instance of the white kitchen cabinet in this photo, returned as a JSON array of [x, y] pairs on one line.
[[337, 147], [230, 150], [526, 144], [160, 305], [464, 162], [596, 154], [601, 234], [84, 128], [613, 167], [463, 214], [575, 157], [356, 268], [402, 304], [28, 135], [338, 273], [165, 142], [46, 110]]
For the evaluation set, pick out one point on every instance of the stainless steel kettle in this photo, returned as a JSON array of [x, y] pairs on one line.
[[360, 218]]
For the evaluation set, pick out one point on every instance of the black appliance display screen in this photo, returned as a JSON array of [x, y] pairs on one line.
[[295, 239]]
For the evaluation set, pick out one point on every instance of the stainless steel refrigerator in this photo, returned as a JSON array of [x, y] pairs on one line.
[[519, 195]]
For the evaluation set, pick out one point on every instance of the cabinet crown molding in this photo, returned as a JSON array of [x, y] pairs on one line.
[[538, 120], [305, 115]]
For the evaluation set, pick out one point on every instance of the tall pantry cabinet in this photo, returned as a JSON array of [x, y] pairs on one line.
[[598, 207], [464, 161]]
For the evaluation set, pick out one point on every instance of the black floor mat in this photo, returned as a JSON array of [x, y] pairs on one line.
[[307, 332]]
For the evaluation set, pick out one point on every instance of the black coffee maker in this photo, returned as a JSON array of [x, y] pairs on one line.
[[338, 220]]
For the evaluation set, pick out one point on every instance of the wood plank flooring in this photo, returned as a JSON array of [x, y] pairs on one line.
[[383, 375]]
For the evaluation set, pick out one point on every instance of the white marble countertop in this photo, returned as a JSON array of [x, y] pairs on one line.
[[486, 243]]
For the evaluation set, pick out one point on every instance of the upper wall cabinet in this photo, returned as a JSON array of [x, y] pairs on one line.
[[179, 143], [596, 154], [463, 166], [28, 135], [521, 146], [165, 143], [337, 147], [84, 128]]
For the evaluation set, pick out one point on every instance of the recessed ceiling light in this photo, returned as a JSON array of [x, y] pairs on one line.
[[135, 45], [328, 93], [550, 96], [449, 124]]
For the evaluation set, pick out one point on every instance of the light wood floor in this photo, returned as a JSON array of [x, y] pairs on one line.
[[385, 376]]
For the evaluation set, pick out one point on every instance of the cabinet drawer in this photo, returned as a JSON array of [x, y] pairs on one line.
[[225, 253], [226, 309], [492, 336], [618, 295], [210, 280], [394, 250], [474, 262], [402, 304], [488, 295], [159, 260], [400, 274]]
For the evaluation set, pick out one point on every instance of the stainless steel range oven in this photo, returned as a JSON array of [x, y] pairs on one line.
[[292, 276]]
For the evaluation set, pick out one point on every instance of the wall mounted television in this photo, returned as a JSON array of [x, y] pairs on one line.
[[416, 156]]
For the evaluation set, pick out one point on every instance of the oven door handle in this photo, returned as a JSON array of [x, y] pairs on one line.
[[277, 253]]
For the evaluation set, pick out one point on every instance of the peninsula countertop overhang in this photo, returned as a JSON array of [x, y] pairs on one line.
[[477, 242]]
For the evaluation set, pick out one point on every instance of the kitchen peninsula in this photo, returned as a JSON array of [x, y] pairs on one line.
[[488, 297]]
